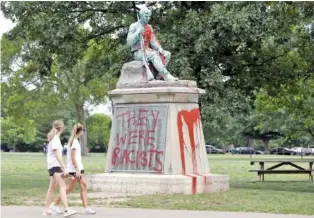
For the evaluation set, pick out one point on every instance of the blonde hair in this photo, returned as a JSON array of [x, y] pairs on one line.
[[77, 128], [56, 128]]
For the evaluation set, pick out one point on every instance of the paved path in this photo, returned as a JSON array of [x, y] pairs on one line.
[[35, 212]]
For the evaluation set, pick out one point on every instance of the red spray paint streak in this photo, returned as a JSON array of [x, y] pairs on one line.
[[205, 181], [194, 184], [190, 118]]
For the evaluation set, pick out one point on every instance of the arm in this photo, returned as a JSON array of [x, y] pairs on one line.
[[73, 158], [133, 35], [59, 158], [56, 145]]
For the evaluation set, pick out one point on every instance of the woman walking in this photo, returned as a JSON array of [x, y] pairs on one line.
[[76, 169], [56, 168]]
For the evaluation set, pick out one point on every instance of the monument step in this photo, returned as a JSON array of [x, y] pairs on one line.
[[150, 184]]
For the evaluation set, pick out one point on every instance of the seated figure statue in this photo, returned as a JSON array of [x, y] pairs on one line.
[[155, 55]]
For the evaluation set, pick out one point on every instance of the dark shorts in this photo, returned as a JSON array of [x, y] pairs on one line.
[[54, 170], [74, 174]]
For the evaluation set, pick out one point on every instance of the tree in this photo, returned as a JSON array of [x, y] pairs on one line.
[[232, 49], [99, 126], [263, 126], [79, 72], [297, 100], [17, 131]]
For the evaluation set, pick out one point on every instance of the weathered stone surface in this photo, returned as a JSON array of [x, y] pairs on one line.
[[149, 184], [133, 75], [156, 142]]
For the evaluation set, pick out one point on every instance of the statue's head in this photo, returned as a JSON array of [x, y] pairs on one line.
[[145, 15]]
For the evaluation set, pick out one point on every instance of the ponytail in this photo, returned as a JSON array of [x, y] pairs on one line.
[[56, 128], [77, 128]]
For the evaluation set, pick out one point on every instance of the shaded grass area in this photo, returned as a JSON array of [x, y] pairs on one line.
[[24, 181]]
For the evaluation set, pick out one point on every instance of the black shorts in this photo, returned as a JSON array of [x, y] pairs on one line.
[[54, 170], [74, 174]]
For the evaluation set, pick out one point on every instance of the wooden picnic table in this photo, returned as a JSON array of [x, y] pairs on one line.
[[282, 162]]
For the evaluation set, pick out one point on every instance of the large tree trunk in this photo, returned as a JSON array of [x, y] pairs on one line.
[[250, 142], [311, 131], [266, 141], [80, 118]]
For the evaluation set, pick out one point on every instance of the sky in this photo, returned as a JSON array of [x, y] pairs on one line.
[[6, 25]]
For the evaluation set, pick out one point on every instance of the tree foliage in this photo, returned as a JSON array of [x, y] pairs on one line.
[[71, 53], [99, 126], [16, 131]]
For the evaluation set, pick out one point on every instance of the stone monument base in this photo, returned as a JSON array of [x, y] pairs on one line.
[[150, 184]]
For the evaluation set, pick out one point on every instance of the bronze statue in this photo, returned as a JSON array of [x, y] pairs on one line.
[[145, 46]]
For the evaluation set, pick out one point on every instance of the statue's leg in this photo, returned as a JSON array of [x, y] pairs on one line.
[[167, 55], [138, 55], [154, 58]]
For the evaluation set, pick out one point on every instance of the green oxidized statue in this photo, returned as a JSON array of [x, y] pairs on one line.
[[144, 46]]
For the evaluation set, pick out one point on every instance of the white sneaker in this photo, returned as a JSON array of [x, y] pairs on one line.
[[47, 213], [88, 211], [55, 209], [69, 212]]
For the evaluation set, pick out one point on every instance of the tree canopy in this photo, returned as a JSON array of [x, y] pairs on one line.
[[255, 60]]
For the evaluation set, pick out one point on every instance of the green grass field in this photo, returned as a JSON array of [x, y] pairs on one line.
[[24, 181]]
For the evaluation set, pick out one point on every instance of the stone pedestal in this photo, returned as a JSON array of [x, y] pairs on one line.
[[156, 142]]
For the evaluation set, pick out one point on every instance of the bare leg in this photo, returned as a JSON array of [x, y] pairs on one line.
[[83, 191], [70, 187], [51, 190], [62, 185]]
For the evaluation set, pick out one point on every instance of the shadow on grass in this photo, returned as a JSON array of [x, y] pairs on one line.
[[289, 186]]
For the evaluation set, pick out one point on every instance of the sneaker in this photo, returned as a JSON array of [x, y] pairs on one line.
[[55, 209], [47, 213], [69, 212], [88, 211]]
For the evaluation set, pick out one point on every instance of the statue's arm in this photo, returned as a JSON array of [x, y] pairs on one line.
[[132, 37], [154, 42]]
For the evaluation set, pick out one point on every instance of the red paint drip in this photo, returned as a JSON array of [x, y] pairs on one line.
[[205, 181], [194, 183], [190, 118]]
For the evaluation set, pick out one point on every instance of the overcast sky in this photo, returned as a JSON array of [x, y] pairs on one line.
[[5, 24]]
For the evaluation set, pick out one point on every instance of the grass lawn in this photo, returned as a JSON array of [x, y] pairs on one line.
[[24, 181]]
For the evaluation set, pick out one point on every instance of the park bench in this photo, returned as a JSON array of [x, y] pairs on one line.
[[282, 162]]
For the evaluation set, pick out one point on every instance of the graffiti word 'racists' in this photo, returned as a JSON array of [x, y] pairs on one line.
[[150, 159]]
